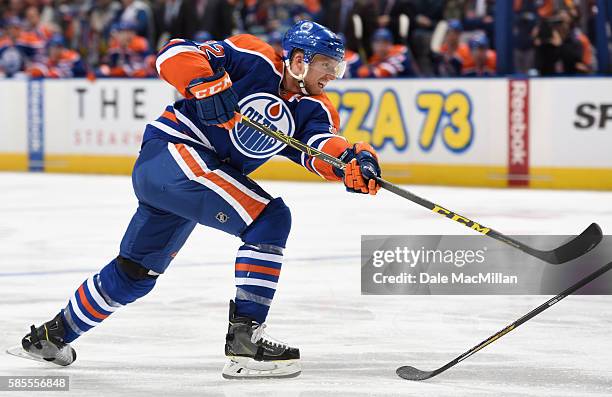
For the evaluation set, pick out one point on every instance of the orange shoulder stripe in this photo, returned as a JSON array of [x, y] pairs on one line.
[[250, 43]]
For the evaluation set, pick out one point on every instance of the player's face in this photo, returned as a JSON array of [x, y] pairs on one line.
[[321, 70]]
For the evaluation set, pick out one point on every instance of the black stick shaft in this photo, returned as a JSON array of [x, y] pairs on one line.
[[526, 317]]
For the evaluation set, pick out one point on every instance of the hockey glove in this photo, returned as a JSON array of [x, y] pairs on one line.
[[215, 100], [361, 169]]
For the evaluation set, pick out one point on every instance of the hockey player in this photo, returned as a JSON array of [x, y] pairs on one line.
[[193, 168]]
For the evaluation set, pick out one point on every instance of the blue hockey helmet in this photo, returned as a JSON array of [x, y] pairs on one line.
[[57, 40], [382, 34], [313, 39], [479, 40], [455, 24]]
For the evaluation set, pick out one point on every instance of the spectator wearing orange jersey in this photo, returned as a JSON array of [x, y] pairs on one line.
[[388, 59], [129, 55], [34, 24], [14, 51], [482, 61], [59, 63], [453, 53], [35, 33]]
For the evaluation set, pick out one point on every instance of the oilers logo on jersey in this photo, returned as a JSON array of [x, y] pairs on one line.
[[270, 111]]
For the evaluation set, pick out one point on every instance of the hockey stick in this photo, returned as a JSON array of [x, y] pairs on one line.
[[412, 373], [572, 249]]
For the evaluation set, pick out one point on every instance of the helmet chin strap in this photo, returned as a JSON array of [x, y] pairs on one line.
[[300, 78]]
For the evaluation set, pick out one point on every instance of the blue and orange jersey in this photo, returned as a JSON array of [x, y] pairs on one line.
[[27, 44], [68, 64], [133, 60], [397, 63], [461, 53], [13, 56], [486, 70], [33, 43], [256, 72]]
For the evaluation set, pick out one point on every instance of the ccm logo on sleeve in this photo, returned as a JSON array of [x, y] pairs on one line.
[[204, 90]]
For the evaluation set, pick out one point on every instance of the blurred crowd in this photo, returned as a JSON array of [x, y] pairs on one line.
[[384, 38]]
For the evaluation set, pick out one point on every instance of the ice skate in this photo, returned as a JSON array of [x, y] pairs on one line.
[[254, 354], [46, 344]]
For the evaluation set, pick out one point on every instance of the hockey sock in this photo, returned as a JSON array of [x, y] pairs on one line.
[[257, 270], [99, 296]]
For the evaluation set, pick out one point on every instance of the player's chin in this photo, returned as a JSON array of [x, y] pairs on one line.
[[316, 89]]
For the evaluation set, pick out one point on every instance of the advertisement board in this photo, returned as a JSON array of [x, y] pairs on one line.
[[13, 137], [499, 132], [97, 126], [572, 133]]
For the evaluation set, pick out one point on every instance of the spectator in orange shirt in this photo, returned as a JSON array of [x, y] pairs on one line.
[[36, 34], [129, 55], [14, 51], [453, 53], [59, 63], [34, 24], [482, 61], [388, 60]]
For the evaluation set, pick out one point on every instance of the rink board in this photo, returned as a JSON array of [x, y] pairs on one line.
[[543, 133]]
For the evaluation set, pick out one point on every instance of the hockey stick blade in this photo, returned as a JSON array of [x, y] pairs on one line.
[[412, 373], [574, 248]]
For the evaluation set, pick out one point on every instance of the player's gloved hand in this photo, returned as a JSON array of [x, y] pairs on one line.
[[361, 169], [215, 100]]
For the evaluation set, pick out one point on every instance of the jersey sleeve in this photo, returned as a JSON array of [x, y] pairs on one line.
[[319, 131], [181, 61]]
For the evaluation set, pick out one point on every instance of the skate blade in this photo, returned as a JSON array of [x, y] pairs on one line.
[[18, 351], [247, 368]]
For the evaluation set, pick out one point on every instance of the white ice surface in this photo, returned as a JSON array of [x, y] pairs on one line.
[[55, 230]]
